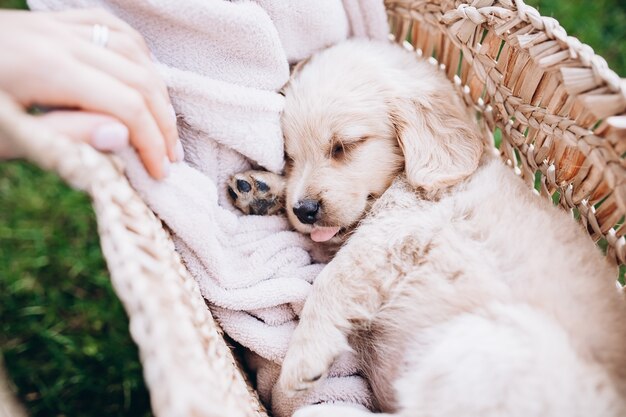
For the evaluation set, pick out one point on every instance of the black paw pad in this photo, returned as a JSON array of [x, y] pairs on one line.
[[243, 186], [232, 193], [261, 207], [261, 186]]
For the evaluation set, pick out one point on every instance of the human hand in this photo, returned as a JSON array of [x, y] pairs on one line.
[[49, 59]]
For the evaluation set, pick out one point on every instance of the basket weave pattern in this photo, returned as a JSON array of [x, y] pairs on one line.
[[560, 111]]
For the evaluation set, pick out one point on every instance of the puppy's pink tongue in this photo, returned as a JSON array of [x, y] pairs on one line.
[[322, 234]]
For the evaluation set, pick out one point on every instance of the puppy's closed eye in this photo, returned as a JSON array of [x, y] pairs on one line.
[[337, 151], [340, 149]]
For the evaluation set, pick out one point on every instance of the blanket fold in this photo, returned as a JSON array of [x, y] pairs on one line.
[[223, 63]]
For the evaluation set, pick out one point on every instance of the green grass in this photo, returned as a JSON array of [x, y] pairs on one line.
[[64, 334], [599, 23], [12, 4]]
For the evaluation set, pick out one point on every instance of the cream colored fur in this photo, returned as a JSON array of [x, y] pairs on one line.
[[463, 293]]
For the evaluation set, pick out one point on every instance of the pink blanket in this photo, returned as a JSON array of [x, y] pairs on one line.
[[224, 63]]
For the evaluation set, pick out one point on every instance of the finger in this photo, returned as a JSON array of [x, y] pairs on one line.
[[93, 17], [118, 42], [143, 79], [103, 132], [90, 89]]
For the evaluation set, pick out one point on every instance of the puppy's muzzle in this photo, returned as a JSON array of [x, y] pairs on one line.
[[307, 211]]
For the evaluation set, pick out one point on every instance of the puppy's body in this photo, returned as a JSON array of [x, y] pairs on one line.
[[488, 302], [463, 293]]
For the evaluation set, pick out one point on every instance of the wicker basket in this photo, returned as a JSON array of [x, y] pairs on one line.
[[561, 114]]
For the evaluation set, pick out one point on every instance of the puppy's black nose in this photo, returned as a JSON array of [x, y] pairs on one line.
[[306, 211]]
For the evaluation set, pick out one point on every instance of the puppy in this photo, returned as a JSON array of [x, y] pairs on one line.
[[462, 293]]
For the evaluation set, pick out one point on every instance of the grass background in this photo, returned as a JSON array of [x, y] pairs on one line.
[[64, 335]]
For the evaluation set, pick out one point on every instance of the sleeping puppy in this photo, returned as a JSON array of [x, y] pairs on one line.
[[462, 292]]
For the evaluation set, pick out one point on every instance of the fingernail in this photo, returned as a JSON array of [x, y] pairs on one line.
[[110, 137], [166, 167], [180, 152]]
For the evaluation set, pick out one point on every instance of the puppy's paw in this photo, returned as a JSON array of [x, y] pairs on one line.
[[309, 358], [257, 192], [302, 370]]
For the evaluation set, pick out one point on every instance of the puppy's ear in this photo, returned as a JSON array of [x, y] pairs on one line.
[[441, 145]]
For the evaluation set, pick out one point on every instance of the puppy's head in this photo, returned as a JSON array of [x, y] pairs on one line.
[[355, 116]]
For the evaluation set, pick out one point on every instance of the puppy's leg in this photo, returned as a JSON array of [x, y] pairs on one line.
[[335, 410], [257, 192], [345, 294]]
